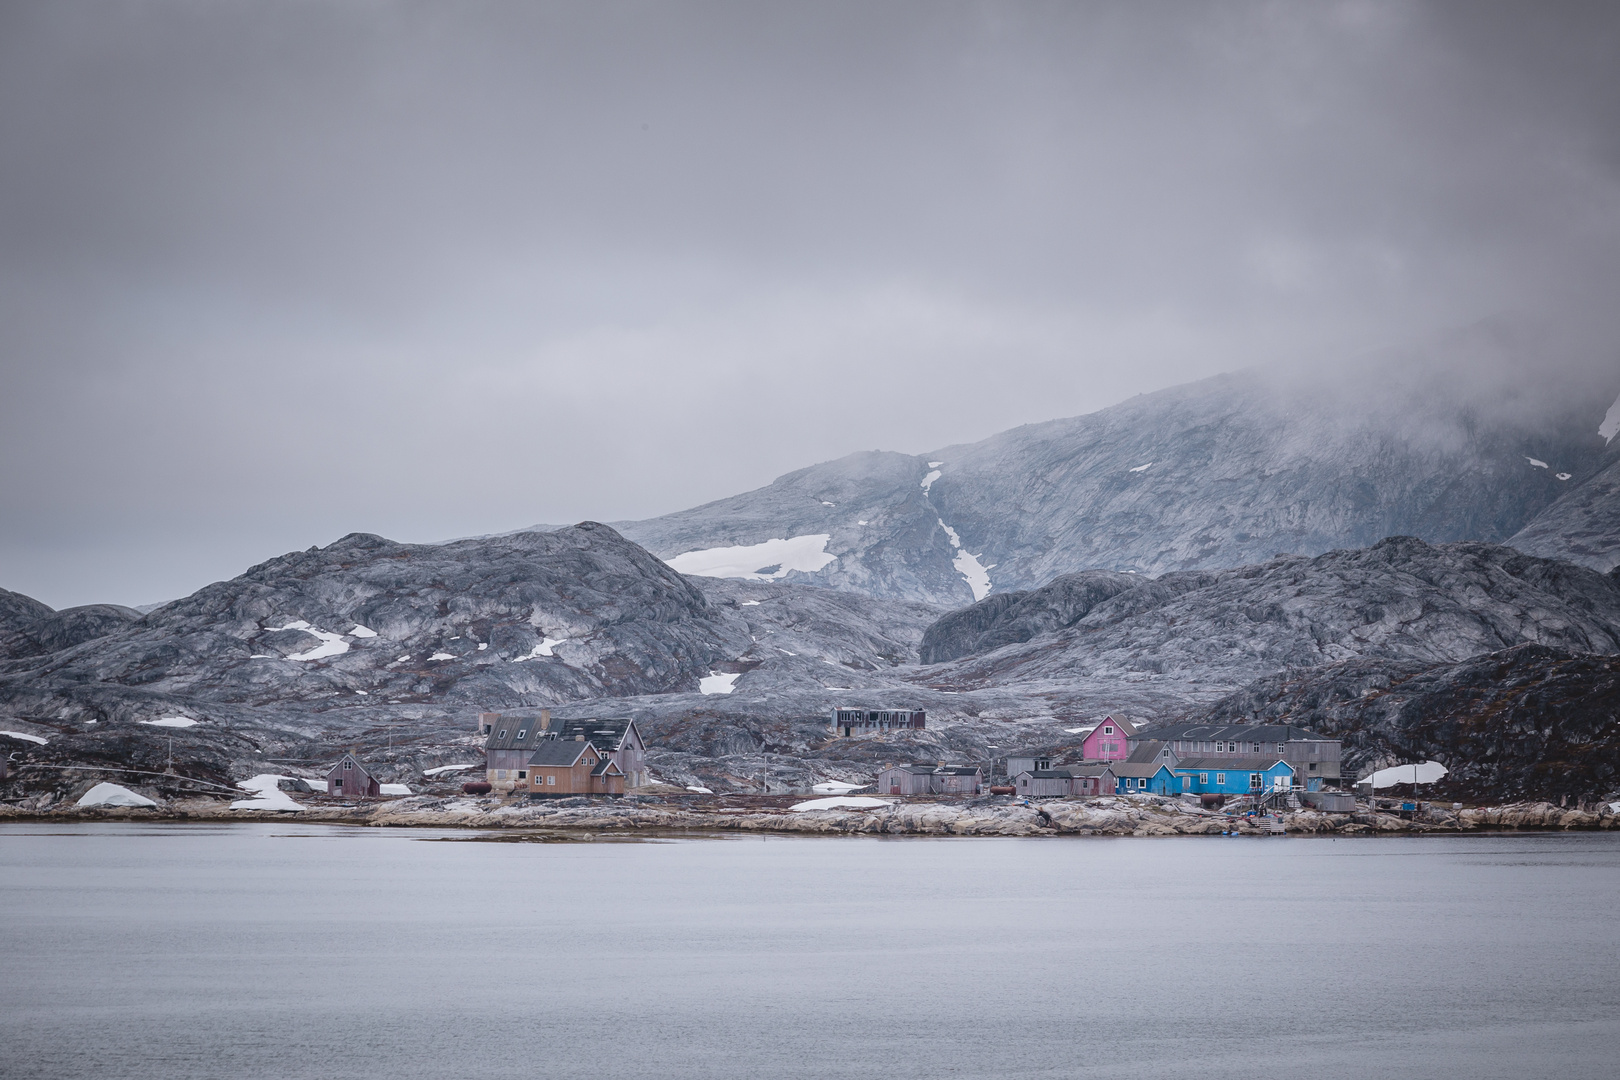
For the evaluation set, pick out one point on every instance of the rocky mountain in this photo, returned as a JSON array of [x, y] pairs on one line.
[[1398, 599], [1583, 525], [1226, 472]]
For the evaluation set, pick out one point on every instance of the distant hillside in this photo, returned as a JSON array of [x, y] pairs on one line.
[[1225, 472]]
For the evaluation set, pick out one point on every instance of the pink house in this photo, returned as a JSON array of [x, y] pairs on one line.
[[1108, 740]]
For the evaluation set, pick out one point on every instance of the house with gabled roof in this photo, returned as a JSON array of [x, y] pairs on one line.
[[512, 737], [1235, 774], [1315, 758], [1106, 740], [352, 780], [1146, 778], [1066, 781], [565, 767]]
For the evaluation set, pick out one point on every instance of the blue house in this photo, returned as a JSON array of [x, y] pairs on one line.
[[1144, 778], [1234, 775]]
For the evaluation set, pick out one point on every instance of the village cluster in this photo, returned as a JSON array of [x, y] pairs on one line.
[[1214, 762]]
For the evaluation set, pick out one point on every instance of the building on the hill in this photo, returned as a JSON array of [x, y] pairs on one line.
[[1022, 763], [931, 780], [1235, 774], [1084, 781], [1149, 751], [618, 738], [352, 780], [1151, 778], [1107, 740], [1315, 759], [567, 767], [512, 739], [847, 723]]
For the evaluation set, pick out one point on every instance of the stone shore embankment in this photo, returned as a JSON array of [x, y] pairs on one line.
[[1114, 816]]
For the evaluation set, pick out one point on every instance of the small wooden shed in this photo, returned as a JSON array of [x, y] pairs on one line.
[[351, 780]]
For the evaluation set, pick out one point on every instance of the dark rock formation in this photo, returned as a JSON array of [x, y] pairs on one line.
[[1530, 721]]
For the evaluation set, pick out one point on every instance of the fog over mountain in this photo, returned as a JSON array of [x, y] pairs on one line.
[[1474, 441], [271, 274]]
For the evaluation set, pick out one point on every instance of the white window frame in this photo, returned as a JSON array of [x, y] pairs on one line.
[[1220, 779]]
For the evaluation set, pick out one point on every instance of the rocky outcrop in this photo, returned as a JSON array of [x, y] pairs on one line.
[[1401, 599]]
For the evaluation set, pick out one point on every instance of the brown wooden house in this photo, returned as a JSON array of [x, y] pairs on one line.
[[350, 779], [564, 767]]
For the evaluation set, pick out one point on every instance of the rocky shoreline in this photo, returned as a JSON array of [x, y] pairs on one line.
[[1108, 816]]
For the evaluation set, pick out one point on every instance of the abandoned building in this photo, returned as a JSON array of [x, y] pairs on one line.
[[351, 780], [848, 723]]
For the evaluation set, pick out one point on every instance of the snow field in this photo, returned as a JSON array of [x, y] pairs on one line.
[[718, 684], [855, 802], [805, 554]]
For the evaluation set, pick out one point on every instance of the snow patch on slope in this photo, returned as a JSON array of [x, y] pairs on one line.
[[112, 795], [25, 737], [718, 684], [331, 644], [1611, 422], [1537, 462], [267, 795], [928, 481], [975, 573], [806, 554]]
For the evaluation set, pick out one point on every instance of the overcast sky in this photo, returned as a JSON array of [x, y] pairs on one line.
[[271, 273]]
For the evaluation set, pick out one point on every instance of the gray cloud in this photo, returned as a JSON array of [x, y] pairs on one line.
[[270, 273]]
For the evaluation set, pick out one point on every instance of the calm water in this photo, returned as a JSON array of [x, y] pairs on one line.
[[284, 951]]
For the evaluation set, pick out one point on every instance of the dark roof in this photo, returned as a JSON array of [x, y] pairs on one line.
[[1146, 752], [559, 752], [605, 765], [516, 733], [607, 735], [1231, 763], [1069, 772], [959, 770], [1234, 732], [1138, 769]]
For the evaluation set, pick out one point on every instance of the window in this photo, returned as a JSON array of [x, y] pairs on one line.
[[502, 735], [1203, 778], [551, 780], [1220, 778], [522, 732], [337, 785], [1313, 766], [522, 774], [347, 765], [1108, 731]]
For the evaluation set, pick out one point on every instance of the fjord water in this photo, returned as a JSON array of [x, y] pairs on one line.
[[288, 951]]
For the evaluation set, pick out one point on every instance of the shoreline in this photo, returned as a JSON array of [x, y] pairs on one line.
[[1106, 816]]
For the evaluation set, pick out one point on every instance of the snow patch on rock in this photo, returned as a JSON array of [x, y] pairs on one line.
[[25, 737], [267, 795], [1537, 462], [173, 721], [1142, 468], [928, 481], [857, 802], [975, 573], [112, 795], [806, 554], [718, 684], [1611, 422], [331, 644]]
